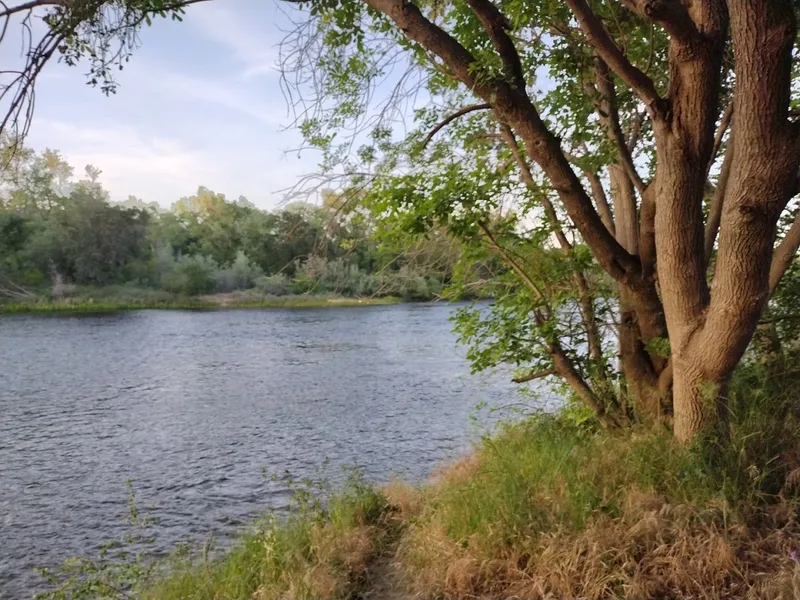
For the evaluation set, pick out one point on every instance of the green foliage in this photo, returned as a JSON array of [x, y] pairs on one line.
[[57, 232], [193, 275]]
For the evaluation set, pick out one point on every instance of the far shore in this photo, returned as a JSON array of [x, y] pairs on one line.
[[211, 301]]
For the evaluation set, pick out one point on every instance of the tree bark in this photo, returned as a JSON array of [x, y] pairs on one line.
[[710, 329]]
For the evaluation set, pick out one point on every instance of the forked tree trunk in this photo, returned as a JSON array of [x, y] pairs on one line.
[[710, 328]]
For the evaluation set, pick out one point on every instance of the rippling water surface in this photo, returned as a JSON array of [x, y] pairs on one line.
[[193, 407]]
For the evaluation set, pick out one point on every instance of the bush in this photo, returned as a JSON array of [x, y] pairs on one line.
[[410, 285], [193, 275], [339, 277], [273, 285], [241, 275]]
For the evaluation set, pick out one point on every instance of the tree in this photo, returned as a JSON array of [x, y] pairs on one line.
[[661, 152], [707, 73]]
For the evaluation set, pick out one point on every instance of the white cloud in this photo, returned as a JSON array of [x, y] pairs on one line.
[[225, 94], [159, 169], [250, 46]]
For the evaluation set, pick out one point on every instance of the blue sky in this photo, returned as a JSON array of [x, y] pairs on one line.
[[199, 104]]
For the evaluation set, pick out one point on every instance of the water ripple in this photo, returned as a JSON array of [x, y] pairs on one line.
[[194, 407]]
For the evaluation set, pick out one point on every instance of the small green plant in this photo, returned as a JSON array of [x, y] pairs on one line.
[[118, 571]]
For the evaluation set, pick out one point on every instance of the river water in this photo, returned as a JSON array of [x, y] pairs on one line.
[[194, 407]]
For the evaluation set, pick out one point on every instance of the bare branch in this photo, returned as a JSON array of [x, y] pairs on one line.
[[449, 119], [601, 200], [724, 123], [8, 11], [610, 116], [784, 255], [592, 26], [635, 131]]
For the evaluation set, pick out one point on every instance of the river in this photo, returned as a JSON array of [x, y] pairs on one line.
[[194, 407]]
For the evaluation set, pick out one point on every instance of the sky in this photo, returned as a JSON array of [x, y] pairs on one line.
[[199, 104]]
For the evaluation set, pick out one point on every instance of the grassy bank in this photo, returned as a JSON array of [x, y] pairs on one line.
[[547, 508], [164, 301]]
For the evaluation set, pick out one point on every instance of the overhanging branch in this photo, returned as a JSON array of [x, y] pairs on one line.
[[450, 118], [534, 375], [513, 106]]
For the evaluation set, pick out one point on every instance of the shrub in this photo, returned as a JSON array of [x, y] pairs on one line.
[[241, 275], [273, 285], [193, 275]]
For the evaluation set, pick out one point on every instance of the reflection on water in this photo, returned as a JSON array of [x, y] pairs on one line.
[[194, 406]]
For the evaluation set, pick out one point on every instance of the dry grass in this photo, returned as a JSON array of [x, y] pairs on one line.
[[656, 550], [543, 512], [546, 509]]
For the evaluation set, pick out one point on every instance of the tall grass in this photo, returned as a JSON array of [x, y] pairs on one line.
[[547, 509], [319, 551]]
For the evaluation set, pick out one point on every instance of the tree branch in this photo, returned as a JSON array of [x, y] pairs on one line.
[[8, 11], [585, 297], [592, 26], [610, 115], [784, 254], [647, 232], [512, 262], [534, 375], [496, 25], [601, 200], [513, 106], [715, 209], [723, 127], [449, 119], [672, 15]]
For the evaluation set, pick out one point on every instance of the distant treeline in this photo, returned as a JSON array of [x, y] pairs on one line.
[[58, 232]]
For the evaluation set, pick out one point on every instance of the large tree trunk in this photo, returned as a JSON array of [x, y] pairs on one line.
[[711, 328]]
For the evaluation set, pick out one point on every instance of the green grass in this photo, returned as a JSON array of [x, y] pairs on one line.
[[316, 552], [79, 305], [322, 549]]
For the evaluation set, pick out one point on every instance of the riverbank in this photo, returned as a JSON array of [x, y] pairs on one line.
[[164, 301], [546, 508]]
